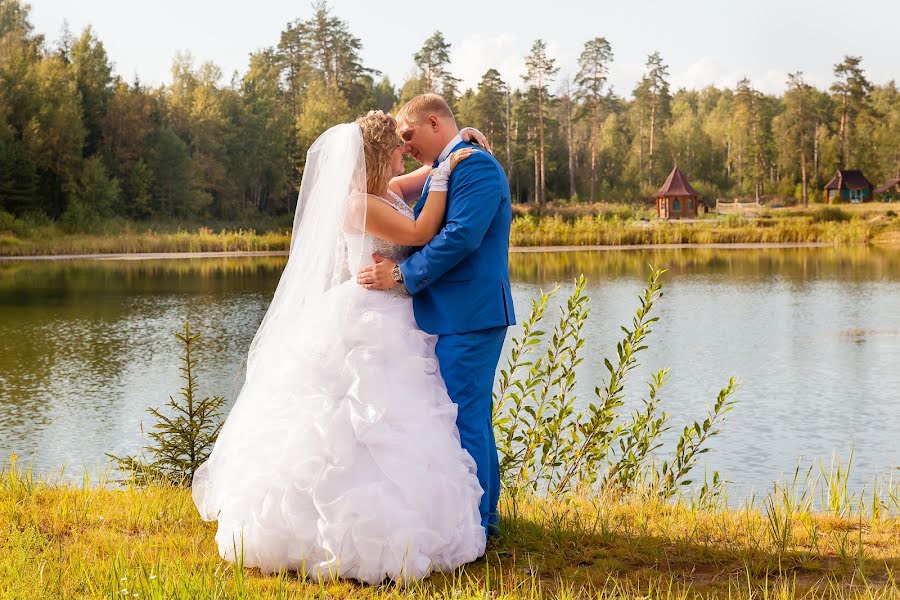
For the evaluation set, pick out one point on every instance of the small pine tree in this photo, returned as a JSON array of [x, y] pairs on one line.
[[183, 441]]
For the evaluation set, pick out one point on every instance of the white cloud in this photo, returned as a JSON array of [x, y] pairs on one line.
[[474, 55], [706, 72], [697, 75], [506, 52]]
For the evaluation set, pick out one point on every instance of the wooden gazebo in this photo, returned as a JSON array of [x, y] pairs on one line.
[[848, 185], [676, 199]]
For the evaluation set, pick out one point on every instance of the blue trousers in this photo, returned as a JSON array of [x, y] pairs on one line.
[[468, 364]]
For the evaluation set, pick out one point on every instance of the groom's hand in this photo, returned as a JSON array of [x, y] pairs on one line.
[[377, 276]]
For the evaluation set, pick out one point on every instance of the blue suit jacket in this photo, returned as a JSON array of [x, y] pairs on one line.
[[460, 280]]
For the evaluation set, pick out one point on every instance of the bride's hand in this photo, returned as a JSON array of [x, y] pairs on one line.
[[440, 176], [473, 136], [459, 156]]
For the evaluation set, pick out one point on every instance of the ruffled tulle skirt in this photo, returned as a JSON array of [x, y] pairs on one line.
[[341, 456]]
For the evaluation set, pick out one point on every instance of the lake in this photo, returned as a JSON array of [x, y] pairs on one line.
[[811, 334]]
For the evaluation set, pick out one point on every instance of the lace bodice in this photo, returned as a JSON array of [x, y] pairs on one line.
[[395, 252]]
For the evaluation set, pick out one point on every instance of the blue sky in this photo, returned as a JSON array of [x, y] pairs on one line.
[[703, 42]]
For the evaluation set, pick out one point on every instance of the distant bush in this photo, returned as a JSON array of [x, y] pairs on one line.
[[830, 214], [601, 211], [6, 221]]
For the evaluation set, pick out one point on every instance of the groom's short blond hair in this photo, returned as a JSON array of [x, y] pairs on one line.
[[423, 106]]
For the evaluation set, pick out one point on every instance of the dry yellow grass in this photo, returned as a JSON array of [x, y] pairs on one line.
[[613, 225], [81, 541], [200, 240]]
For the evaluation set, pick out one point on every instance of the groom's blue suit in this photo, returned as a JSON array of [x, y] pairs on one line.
[[460, 288]]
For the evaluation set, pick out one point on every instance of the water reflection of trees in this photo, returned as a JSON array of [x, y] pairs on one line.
[[32, 281], [60, 283], [845, 263], [80, 326]]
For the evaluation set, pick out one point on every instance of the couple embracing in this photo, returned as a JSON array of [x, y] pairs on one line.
[[361, 444]]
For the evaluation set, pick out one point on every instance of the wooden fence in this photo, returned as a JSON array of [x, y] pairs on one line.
[[744, 209]]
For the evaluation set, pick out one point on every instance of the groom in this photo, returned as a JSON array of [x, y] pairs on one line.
[[460, 281]]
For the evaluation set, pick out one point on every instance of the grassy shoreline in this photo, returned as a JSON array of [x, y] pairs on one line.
[[64, 540], [560, 226]]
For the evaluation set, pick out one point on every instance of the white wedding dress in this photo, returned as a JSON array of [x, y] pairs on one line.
[[344, 459]]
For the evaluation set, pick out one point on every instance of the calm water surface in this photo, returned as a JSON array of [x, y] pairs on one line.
[[812, 335]]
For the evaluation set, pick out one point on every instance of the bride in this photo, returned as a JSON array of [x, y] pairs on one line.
[[341, 457]]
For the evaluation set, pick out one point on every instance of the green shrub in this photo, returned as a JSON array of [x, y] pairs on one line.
[[7, 221], [79, 217], [547, 445], [830, 214]]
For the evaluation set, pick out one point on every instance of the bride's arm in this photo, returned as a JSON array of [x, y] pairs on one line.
[[384, 222], [409, 186]]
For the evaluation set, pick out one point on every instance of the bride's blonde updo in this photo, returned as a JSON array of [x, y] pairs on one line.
[[380, 138]]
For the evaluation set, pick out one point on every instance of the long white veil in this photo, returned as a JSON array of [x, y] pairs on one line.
[[328, 246], [328, 243]]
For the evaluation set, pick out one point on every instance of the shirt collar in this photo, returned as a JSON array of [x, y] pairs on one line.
[[457, 139]]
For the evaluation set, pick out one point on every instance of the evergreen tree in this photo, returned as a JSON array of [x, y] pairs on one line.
[[491, 114], [95, 198], [18, 179], [174, 191], [540, 70], [886, 135], [433, 62], [323, 47], [99, 192], [54, 135], [14, 18], [567, 120], [593, 70], [752, 137], [655, 95], [137, 191], [852, 91], [382, 96], [126, 125], [610, 161], [196, 112], [93, 75], [261, 128], [797, 128], [685, 135], [185, 431]]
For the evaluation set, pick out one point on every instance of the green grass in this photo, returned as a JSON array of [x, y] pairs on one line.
[[62, 540]]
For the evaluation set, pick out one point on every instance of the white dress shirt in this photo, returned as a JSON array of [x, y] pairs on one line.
[[449, 148]]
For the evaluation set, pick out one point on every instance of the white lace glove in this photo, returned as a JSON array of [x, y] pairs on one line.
[[440, 176]]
